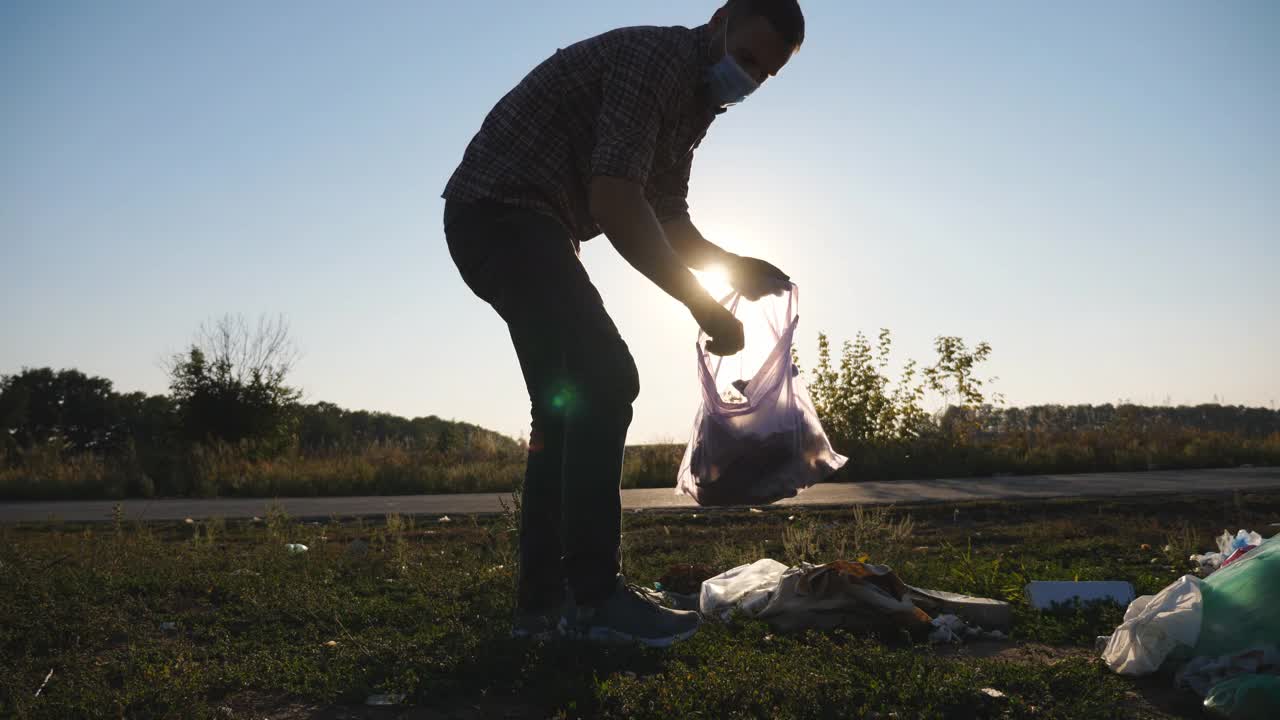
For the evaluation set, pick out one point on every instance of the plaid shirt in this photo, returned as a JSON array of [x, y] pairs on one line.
[[630, 103]]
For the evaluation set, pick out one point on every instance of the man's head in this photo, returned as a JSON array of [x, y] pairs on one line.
[[762, 35]]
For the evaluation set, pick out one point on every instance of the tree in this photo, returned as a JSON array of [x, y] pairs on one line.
[[230, 385], [39, 405]]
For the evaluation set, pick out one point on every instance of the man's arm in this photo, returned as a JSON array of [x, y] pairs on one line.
[[693, 249], [622, 212]]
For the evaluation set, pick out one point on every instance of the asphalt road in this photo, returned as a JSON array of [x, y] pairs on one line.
[[916, 491]]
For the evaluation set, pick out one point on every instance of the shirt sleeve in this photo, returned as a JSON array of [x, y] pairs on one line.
[[668, 193], [641, 78]]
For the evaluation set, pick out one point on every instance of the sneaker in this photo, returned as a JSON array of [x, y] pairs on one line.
[[630, 615]]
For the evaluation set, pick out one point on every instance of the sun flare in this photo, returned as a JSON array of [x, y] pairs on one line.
[[716, 281]]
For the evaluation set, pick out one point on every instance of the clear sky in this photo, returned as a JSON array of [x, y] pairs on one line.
[[1093, 187]]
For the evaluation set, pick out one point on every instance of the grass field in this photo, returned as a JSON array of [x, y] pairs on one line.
[[216, 620]]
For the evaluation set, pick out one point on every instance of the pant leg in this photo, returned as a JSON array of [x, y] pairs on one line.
[[581, 379], [485, 246]]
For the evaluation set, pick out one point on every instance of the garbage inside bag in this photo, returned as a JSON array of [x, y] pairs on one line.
[[756, 436], [850, 595], [1248, 697]]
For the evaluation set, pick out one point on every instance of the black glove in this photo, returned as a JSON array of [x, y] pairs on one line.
[[719, 324], [755, 278]]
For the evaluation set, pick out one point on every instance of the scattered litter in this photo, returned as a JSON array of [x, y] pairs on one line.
[[295, 548], [46, 682], [445, 518], [951, 629], [1230, 549], [922, 548], [256, 519], [385, 699], [169, 626], [1144, 546], [791, 517], [991, 692], [189, 521], [1044, 594], [331, 643], [755, 510], [757, 438], [245, 571], [947, 629]]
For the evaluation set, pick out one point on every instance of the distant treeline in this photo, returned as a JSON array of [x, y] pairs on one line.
[[65, 434], [231, 426]]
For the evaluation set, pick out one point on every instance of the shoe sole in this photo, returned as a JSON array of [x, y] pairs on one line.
[[526, 635], [609, 636]]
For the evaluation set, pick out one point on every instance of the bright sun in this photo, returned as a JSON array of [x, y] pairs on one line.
[[716, 280]]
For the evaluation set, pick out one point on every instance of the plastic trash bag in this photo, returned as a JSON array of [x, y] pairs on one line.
[[1240, 603], [1155, 626], [1248, 697], [746, 587], [756, 437], [1221, 616]]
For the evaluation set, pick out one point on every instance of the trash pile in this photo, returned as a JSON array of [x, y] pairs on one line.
[[1221, 634], [1230, 549], [849, 595], [756, 437]]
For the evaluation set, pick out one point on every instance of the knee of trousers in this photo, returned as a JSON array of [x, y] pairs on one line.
[[610, 384]]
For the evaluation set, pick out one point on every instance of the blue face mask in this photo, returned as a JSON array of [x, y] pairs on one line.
[[728, 82]]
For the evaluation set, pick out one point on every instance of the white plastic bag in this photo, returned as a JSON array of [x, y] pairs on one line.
[[746, 587], [756, 437], [1154, 626]]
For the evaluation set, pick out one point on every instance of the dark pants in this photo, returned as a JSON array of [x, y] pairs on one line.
[[581, 380]]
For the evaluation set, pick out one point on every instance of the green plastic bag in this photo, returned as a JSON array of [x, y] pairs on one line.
[[1247, 697], [1240, 603]]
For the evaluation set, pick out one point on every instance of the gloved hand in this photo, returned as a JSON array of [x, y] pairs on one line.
[[719, 324], [755, 278]]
